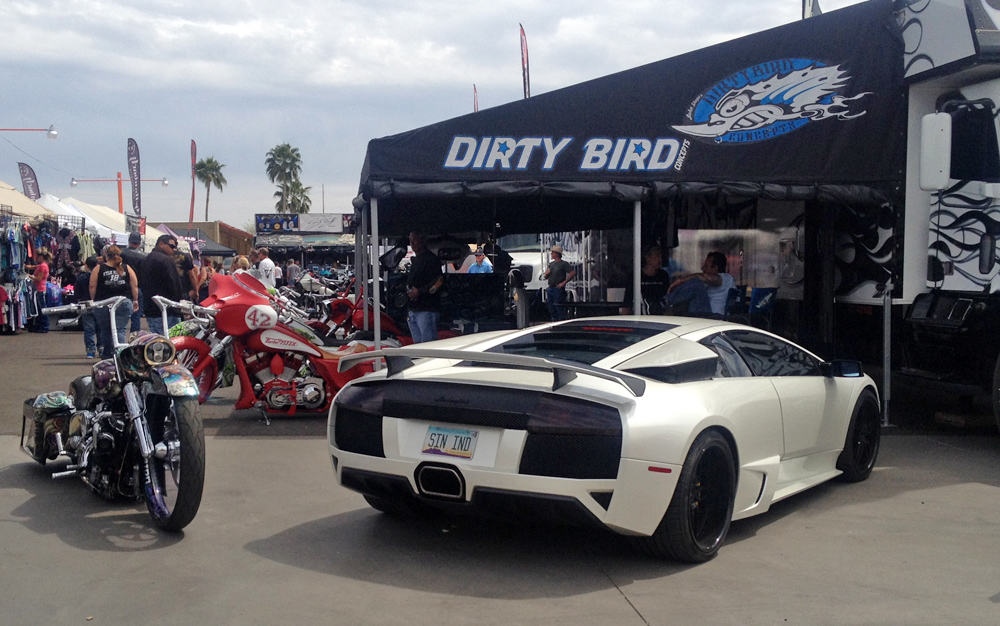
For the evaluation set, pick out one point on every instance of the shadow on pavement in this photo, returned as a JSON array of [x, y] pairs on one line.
[[462, 556], [67, 509]]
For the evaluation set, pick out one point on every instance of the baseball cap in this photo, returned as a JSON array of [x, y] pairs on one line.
[[479, 252], [135, 238]]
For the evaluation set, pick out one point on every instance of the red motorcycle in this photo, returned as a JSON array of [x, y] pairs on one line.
[[279, 370]]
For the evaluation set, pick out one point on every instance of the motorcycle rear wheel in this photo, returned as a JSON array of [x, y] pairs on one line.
[[176, 480]]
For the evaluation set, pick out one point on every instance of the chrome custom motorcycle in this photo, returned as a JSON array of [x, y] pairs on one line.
[[130, 429]]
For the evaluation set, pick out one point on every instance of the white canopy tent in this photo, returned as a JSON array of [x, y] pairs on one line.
[[21, 204], [114, 221]]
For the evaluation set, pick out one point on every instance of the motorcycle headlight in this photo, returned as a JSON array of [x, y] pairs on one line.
[[159, 352]]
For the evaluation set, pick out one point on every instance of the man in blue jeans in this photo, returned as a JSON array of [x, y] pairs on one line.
[[558, 274], [422, 284], [81, 288]]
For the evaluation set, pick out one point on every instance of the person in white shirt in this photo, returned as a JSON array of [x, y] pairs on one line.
[[704, 292], [265, 267]]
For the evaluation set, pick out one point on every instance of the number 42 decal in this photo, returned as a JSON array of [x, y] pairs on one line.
[[260, 316]]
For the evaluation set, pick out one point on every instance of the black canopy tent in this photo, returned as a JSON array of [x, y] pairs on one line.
[[208, 247], [812, 110]]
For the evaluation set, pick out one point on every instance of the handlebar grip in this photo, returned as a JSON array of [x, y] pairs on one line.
[[56, 310]]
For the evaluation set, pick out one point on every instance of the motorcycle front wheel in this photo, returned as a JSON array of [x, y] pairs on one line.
[[177, 466]]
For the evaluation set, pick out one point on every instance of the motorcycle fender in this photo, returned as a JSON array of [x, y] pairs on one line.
[[173, 379]]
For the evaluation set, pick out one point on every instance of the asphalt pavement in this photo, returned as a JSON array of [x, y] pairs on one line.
[[277, 542]]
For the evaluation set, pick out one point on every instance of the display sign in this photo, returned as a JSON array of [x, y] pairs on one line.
[[276, 222]]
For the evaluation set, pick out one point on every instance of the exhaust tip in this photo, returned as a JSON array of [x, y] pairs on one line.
[[440, 481]]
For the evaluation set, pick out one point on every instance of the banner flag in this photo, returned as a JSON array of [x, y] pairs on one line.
[[475, 98], [28, 181], [194, 157], [525, 74], [810, 8], [133, 174]]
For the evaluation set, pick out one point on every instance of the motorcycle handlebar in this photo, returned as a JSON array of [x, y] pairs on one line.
[[84, 306]]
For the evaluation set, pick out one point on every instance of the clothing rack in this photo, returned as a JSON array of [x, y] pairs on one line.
[[72, 222]]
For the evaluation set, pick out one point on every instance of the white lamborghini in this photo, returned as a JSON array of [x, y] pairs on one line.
[[663, 428]]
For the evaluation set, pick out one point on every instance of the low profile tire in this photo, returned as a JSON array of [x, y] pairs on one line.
[[697, 520], [864, 434]]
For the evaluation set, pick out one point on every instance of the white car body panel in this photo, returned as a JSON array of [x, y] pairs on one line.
[[787, 431]]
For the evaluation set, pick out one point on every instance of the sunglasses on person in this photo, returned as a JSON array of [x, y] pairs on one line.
[[173, 246]]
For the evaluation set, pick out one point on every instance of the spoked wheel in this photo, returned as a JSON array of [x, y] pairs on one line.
[[206, 377], [177, 466], [864, 434], [697, 520]]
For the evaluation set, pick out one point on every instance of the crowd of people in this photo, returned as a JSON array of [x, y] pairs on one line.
[[139, 276]]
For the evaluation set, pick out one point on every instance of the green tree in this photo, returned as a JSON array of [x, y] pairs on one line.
[[296, 199], [209, 171], [283, 164]]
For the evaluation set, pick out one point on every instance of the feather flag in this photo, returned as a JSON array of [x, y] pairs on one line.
[[810, 8], [525, 74], [29, 181], [475, 98], [134, 176], [194, 156]]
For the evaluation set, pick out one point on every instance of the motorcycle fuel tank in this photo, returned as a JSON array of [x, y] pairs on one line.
[[281, 340]]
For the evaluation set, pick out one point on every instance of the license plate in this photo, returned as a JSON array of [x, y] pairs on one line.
[[455, 442]]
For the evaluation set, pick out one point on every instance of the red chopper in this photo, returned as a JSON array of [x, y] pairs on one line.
[[279, 371]]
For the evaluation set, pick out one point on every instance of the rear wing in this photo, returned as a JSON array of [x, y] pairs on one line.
[[399, 359]]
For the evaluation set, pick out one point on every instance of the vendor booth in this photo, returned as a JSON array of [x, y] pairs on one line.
[[796, 132]]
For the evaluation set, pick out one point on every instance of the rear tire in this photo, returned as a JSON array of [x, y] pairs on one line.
[[177, 482], [701, 509], [864, 434]]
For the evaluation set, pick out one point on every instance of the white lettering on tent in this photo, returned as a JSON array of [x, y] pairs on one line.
[[628, 153], [484, 145], [527, 145], [664, 154], [461, 152], [552, 151], [500, 152], [595, 155]]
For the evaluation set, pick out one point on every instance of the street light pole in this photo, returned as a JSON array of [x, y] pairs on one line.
[[121, 209], [51, 131]]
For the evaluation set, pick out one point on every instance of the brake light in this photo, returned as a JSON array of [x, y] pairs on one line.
[[662, 470]]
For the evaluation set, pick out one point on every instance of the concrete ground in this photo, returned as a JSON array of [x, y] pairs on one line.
[[276, 541]]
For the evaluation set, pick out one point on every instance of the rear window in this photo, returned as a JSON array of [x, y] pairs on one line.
[[581, 342]]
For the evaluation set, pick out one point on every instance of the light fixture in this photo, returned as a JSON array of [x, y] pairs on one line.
[[52, 133]]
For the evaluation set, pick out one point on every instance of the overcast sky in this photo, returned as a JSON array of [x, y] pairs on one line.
[[241, 76]]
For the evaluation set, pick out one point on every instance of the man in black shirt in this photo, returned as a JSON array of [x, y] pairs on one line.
[[160, 278], [653, 285], [422, 285], [134, 257]]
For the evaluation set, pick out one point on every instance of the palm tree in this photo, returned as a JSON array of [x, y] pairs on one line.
[[283, 165], [209, 171], [296, 200]]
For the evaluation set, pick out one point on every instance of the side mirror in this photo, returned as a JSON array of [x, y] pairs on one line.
[[842, 368], [935, 151]]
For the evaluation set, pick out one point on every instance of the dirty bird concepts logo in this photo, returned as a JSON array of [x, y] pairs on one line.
[[771, 99]]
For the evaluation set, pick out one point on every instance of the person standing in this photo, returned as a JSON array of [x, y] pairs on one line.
[[133, 257], [188, 275], [81, 287], [422, 284], [40, 277], [113, 278], [292, 273], [558, 273], [654, 283], [160, 278], [265, 267]]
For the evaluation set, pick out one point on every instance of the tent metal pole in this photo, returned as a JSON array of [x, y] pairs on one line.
[[376, 277], [886, 349], [636, 257], [363, 267]]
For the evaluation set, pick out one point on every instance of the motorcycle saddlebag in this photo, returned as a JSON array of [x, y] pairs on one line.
[[43, 414]]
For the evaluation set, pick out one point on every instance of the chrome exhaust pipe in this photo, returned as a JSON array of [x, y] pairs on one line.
[[440, 481]]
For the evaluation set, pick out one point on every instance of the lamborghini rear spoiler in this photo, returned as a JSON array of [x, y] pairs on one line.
[[399, 359]]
